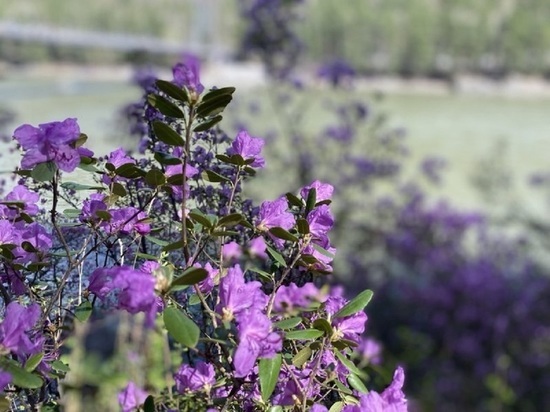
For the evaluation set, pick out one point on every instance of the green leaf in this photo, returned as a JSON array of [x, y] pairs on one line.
[[356, 383], [283, 234], [118, 189], [83, 311], [173, 246], [307, 334], [347, 363], [167, 135], [355, 305], [288, 323], [176, 180], [302, 356], [149, 404], [103, 215], [20, 377], [337, 407], [311, 198], [323, 325], [213, 106], [302, 226], [157, 241], [194, 300], [230, 220], [323, 251], [33, 361], [217, 93], [263, 274], [78, 186], [165, 106], [155, 177], [44, 172], [269, 374], [129, 171], [276, 256], [180, 327], [166, 159], [175, 92], [60, 366], [201, 218], [211, 176], [80, 141], [342, 388], [208, 124], [146, 256], [190, 276]]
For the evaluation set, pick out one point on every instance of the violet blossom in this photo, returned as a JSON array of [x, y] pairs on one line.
[[249, 148], [198, 378], [187, 73], [392, 399], [237, 296], [131, 397], [256, 340], [323, 191], [53, 141], [24, 196], [18, 320]]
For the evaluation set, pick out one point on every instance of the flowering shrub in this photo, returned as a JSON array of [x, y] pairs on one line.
[[236, 289]]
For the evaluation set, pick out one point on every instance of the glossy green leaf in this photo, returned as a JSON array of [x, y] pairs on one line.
[[288, 323], [283, 234], [269, 374], [83, 311], [166, 159], [129, 171], [356, 383], [201, 218], [175, 92], [294, 200], [265, 275], [323, 325], [347, 362], [208, 124], [302, 356], [33, 361], [167, 135], [276, 256], [222, 91], [190, 276], [60, 366], [230, 220], [307, 334], [211, 176], [165, 106], [337, 407], [357, 304], [311, 199], [178, 244], [118, 189], [157, 241], [155, 177], [180, 327], [213, 106], [149, 404], [20, 377], [44, 172], [303, 226]]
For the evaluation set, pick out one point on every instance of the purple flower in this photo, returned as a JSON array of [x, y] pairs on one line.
[[117, 158], [249, 148], [370, 350], [187, 73], [320, 221], [19, 320], [134, 289], [237, 296], [257, 248], [392, 398], [95, 204], [336, 71], [126, 220], [231, 251], [323, 191], [50, 142], [39, 238], [131, 397], [5, 380], [201, 377], [256, 340], [175, 170], [349, 327], [318, 408], [275, 214], [292, 296], [23, 195], [207, 284], [9, 235]]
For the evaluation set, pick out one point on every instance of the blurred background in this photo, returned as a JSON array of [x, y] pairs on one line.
[[431, 118]]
